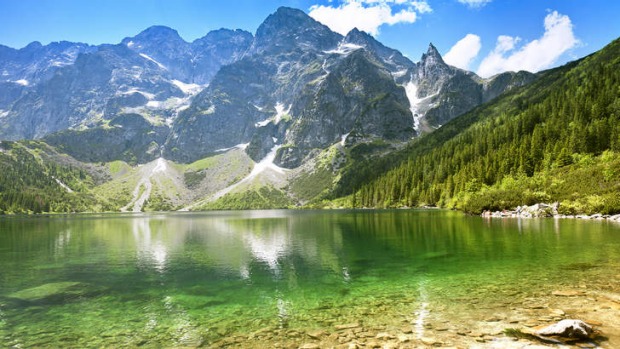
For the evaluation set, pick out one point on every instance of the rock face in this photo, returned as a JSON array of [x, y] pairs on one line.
[[129, 137], [195, 62], [296, 85], [440, 92]]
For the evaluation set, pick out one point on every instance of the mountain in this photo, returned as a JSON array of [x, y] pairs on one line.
[[192, 63], [31, 65], [440, 92], [291, 111], [329, 87], [35, 62], [554, 140], [152, 74], [296, 86]]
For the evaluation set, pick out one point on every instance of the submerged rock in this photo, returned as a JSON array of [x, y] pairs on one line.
[[54, 292]]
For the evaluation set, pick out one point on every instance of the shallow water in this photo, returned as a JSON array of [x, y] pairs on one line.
[[269, 278]]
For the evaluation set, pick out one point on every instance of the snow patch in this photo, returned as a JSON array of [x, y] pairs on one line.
[[264, 164], [344, 138], [324, 66], [242, 146], [130, 44], [3, 113], [153, 104], [154, 61], [133, 90], [274, 139], [280, 112], [260, 167], [415, 103], [258, 108], [188, 89], [262, 123], [344, 49], [399, 74], [22, 82]]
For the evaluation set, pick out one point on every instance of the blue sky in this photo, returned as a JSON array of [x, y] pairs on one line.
[[492, 35]]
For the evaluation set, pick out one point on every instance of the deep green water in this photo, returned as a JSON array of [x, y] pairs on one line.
[[165, 280]]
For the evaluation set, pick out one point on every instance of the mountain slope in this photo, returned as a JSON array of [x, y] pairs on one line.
[[554, 140], [35, 178]]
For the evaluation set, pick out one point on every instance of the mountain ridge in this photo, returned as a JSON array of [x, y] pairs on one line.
[[312, 103]]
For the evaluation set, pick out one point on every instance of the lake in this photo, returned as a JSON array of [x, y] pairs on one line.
[[282, 278]]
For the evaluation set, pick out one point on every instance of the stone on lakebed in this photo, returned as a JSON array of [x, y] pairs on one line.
[[54, 292]]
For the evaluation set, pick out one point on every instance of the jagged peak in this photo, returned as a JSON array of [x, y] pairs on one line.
[[290, 27], [358, 33], [357, 36], [432, 55], [287, 17], [432, 50]]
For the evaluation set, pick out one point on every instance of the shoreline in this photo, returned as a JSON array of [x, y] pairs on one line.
[[542, 210]]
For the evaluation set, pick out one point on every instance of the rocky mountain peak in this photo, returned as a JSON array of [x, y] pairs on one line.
[[432, 56], [35, 45], [290, 28], [156, 33], [358, 36]]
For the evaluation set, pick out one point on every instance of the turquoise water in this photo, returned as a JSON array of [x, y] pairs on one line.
[[224, 278]]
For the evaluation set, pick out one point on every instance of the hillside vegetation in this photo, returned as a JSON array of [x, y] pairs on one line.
[[35, 179], [557, 139]]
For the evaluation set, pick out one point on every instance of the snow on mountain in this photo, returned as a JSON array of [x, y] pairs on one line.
[[154, 61], [188, 89]]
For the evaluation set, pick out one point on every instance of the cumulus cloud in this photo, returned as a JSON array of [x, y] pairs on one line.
[[368, 15], [464, 51], [536, 55], [474, 3]]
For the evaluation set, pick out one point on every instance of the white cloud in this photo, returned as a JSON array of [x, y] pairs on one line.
[[474, 3], [368, 15], [536, 55], [464, 51]]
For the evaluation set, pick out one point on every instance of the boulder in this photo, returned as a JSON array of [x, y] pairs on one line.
[[567, 330]]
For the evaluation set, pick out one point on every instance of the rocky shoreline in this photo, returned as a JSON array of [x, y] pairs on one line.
[[543, 210], [507, 327]]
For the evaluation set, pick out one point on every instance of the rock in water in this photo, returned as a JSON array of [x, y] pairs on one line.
[[568, 329], [55, 292]]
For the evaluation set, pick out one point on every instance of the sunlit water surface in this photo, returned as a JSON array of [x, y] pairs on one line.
[[266, 278]]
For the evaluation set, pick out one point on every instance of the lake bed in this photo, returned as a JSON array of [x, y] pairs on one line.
[[265, 279]]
